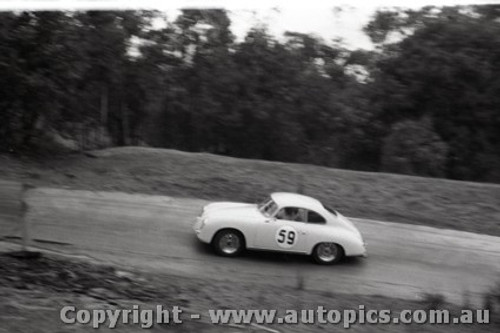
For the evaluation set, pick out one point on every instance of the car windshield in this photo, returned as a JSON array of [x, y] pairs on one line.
[[263, 202], [268, 207]]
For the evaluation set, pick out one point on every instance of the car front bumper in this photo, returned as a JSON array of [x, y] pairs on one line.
[[198, 229]]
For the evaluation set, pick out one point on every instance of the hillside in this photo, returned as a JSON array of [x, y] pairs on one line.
[[434, 202]]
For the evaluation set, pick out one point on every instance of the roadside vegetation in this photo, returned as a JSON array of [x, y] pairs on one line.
[[34, 290], [440, 203]]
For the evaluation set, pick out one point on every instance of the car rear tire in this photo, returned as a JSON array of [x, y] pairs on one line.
[[327, 253], [228, 243]]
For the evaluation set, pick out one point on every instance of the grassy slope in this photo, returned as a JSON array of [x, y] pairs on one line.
[[435, 202]]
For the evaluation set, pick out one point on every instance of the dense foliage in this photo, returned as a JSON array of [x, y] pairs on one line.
[[425, 102]]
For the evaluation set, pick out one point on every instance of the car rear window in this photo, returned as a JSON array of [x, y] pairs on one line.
[[313, 217], [331, 210]]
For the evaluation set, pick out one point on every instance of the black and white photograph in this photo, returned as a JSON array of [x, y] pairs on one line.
[[258, 166]]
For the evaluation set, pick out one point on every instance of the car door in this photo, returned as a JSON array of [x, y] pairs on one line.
[[280, 234], [316, 228]]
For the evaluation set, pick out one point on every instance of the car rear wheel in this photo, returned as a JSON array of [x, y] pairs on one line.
[[228, 243], [328, 253]]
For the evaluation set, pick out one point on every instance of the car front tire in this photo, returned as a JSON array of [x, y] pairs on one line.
[[228, 243], [327, 253]]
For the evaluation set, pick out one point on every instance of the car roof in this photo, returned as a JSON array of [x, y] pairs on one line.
[[296, 200]]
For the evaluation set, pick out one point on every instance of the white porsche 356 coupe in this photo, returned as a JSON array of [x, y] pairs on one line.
[[286, 222]]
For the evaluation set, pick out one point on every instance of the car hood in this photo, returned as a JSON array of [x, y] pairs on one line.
[[231, 209]]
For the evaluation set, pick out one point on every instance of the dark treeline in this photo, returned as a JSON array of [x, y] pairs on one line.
[[425, 102]]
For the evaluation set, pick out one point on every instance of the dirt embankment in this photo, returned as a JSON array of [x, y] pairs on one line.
[[33, 291]]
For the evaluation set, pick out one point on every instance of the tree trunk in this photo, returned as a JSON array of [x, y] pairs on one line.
[[125, 124], [104, 114]]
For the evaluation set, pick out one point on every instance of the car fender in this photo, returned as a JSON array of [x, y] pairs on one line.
[[246, 226], [350, 241]]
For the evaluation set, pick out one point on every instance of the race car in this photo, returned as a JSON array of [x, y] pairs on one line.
[[286, 222]]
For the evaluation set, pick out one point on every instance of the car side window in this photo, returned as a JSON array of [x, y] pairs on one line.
[[291, 214], [313, 217]]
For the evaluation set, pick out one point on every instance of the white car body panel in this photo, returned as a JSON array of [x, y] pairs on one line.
[[268, 233]]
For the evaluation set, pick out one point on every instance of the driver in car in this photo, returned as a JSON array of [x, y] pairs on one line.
[[289, 213]]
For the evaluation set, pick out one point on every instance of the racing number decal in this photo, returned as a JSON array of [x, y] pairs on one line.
[[286, 237]]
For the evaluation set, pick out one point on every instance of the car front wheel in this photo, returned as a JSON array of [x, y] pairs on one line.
[[327, 253], [228, 243]]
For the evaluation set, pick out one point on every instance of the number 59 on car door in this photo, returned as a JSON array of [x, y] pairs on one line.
[[286, 237], [282, 235]]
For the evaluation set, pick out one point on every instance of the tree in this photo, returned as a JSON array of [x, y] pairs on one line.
[[106, 38], [447, 69], [413, 148], [41, 64], [65, 73]]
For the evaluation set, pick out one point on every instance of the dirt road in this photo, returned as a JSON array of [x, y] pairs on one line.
[[154, 232]]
